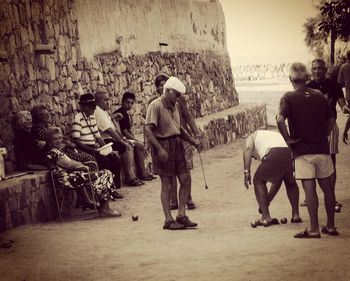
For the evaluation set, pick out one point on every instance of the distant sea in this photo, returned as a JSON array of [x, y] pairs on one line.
[[266, 91]]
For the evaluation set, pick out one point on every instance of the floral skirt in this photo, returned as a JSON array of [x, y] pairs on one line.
[[102, 181]]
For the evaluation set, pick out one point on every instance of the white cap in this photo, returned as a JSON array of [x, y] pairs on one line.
[[175, 84]]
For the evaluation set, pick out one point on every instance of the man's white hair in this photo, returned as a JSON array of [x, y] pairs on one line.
[[298, 72]]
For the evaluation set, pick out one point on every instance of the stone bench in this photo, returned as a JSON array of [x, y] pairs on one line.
[[26, 199]]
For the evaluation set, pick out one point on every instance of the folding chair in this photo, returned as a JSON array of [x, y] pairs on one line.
[[59, 204]]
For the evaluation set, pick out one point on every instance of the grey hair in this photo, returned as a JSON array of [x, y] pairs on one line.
[[298, 72], [20, 118], [51, 131]]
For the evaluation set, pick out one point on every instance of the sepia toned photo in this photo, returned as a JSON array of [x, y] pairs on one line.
[[168, 140]]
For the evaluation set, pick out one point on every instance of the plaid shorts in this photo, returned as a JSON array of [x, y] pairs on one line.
[[176, 163], [188, 154]]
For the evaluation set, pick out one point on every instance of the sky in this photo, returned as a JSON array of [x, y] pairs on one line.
[[266, 30]]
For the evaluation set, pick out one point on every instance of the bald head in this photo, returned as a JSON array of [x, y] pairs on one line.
[[102, 99]]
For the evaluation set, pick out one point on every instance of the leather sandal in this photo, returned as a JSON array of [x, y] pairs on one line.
[[173, 225], [134, 182], [333, 232], [306, 234]]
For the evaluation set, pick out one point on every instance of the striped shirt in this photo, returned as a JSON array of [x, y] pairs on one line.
[[85, 129]]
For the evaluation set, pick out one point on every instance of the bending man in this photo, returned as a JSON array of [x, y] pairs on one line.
[[276, 166]]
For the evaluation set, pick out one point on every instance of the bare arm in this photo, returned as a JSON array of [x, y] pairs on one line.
[[346, 129], [188, 116], [128, 134], [247, 160], [84, 147], [343, 105]]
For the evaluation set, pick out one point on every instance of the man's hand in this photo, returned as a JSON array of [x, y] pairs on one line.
[[163, 155], [345, 109], [345, 138], [247, 179]]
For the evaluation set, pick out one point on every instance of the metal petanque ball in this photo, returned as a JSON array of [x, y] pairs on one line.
[[135, 217], [253, 224], [284, 220], [337, 209]]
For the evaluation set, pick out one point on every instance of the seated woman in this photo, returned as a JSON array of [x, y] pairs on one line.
[[73, 174], [29, 154], [41, 122]]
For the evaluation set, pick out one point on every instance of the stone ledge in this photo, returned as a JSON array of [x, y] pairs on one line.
[[224, 126], [26, 199]]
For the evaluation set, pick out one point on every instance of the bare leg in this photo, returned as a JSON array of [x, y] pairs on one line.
[[165, 196], [312, 204], [273, 191], [173, 194], [329, 201], [293, 196], [185, 183], [261, 195], [128, 165], [139, 150]]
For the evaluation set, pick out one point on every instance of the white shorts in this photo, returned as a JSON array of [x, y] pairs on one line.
[[313, 166]]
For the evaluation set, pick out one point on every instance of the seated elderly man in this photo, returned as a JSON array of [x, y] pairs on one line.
[[29, 155], [276, 166], [109, 133], [86, 136]]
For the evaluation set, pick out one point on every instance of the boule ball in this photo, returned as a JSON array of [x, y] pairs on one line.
[[284, 220], [135, 217], [337, 209]]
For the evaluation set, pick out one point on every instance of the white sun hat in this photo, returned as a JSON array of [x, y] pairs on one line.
[[175, 84]]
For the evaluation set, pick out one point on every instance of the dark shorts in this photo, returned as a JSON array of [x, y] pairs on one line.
[[117, 145], [176, 163], [277, 165]]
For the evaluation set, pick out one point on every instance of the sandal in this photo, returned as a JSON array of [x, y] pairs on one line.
[[191, 205], [333, 232], [134, 182], [298, 220], [148, 178], [306, 234], [173, 225]]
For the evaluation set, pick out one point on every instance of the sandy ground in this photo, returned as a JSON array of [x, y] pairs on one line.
[[224, 247]]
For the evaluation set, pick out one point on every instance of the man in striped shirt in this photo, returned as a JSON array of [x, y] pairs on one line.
[[86, 136]]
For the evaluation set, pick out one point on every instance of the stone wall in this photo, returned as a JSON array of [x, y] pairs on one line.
[[251, 72], [138, 26], [58, 79]]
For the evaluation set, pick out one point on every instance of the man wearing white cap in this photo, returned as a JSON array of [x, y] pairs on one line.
[[164, 133]]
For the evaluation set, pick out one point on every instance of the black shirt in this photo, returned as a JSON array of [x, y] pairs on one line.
[[331, 90], [124, 123], [308, 113]]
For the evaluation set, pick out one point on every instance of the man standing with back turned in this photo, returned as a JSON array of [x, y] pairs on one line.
[[310, 122]]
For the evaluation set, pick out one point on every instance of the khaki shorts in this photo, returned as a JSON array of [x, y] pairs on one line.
[[313, 166]]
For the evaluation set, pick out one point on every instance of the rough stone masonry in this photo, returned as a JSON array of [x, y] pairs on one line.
[[58, 79]]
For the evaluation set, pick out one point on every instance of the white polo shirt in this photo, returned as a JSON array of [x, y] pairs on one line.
[[265, 140], [104, 121]]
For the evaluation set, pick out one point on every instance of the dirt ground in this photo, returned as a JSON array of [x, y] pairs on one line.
[[224, 247]]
